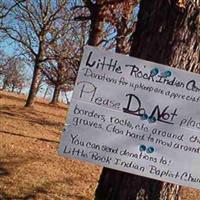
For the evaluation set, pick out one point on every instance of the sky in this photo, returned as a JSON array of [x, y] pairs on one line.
[[10, 49]]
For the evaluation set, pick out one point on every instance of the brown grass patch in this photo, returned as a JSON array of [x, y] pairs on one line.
[[30, 167]]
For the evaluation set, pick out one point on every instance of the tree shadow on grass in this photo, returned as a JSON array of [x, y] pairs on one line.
[[43, 122], [37, 119], [44, 189], [19, 98], [33, 111], [26, 136], [3, 171], [12, 97], [50, 189], [4, 196], [30, 196], [8, 163]]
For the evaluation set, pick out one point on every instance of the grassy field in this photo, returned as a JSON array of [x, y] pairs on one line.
[[30, 168]]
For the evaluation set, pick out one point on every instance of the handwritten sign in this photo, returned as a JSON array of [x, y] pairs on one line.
[[135, 116]]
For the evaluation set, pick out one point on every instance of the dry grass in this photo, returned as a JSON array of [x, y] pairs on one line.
[[30, 168], [29, 165]]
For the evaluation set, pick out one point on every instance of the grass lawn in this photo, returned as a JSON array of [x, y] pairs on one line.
[[30, 167]]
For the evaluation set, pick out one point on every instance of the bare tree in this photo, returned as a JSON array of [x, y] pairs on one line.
[[33, 26], [123, 19], [62, 71], [120, 23], [91, 11], [111, 22], [3, 61], [59, 76], [67, 89], [13, 75], [65, 54], [96, 12]]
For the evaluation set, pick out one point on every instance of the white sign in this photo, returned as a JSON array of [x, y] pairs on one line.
[[135, 116]]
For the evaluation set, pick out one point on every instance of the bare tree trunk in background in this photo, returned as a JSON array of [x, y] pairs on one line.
[[13, 88], [166, 34], [34, 86], [66, 97], [56, 94], [37, 73], [20, 90], [39, 83], [4, 85], [45, 93]]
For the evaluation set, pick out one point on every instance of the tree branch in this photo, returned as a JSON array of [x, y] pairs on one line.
[[17, 3], [20, 39], [82, 18]]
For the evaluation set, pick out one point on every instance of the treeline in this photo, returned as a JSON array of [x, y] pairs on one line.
[[50, 36]]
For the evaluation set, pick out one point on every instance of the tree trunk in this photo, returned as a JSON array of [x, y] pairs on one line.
[[46, 91], [34, 86], [166, 34], [4, 85], [66, 97], [55, 95], [20, 90], [13, 88], [39, 83], [120, 37], [96, 26]]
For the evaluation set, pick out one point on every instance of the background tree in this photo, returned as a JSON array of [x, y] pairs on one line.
[[92, 11], [97, 12], [32, 26], [65, 54], [3, 61], [167, 33], [65, 90], [59, 75], [13, 75], [122, 19]]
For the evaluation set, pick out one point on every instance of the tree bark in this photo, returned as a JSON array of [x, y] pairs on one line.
[[56, 94], [96, 26], [34, 85], [166, 34], [120, 37]]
